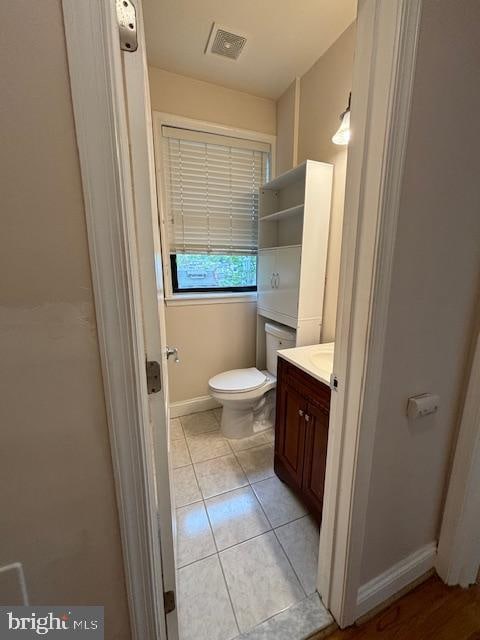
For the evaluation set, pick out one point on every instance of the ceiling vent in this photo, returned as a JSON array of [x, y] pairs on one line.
[[224, 43]]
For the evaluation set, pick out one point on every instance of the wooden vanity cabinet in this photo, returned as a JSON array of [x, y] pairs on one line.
[[301, 434]]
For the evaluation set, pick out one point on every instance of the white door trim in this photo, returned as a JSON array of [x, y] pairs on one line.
[[100, 121], [458, 559], [387, 34]]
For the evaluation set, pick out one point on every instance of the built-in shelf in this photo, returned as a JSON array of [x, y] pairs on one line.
[[292, 253], [281, 215], [280, 246], [294, 175]]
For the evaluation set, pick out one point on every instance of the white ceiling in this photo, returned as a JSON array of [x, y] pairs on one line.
[[284, 38]]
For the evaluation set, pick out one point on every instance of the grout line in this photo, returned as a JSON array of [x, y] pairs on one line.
[[189, 564], [229, 594], [222, 455], [222, 493], [272, 528], [237, 544], [290, 563], [250, 482], [284, 524], [221, 567], [217, 553]]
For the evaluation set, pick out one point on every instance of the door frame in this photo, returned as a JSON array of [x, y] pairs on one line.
[[383, 75], [458, 558], [387, 34], [95, 69]]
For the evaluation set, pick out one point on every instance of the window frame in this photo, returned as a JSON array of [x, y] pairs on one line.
[[177, 289], [160, 119]]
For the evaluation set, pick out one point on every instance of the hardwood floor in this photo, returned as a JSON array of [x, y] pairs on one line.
[[432, 611]]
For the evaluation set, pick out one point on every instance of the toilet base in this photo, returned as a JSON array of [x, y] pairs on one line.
[[244, 422], [237, 423]]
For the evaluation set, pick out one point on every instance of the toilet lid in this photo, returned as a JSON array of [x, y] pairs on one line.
[[238, 380]]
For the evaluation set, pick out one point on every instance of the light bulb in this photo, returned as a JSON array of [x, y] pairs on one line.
[[342, 136]]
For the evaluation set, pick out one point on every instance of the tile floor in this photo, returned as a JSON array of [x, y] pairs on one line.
[[246, 548]]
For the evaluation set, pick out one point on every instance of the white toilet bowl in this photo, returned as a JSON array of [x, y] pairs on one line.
[[242, 392]]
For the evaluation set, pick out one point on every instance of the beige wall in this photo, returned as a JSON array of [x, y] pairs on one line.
[[172, 93], [287, 127], [57, 504], [435, 288], [211, 338], [324, 93]]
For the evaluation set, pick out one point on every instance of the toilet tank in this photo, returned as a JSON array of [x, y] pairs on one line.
[[278, 337]]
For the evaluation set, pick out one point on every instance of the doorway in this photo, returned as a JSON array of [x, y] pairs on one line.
[[338, 584], [239, 526]]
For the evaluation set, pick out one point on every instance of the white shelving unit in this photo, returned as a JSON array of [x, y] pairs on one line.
[[285, 213], [294, 218]]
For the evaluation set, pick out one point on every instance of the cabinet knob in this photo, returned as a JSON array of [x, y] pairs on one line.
[[307, 418], [300, 413]]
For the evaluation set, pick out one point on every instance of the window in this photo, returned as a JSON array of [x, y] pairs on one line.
[[212, 184]]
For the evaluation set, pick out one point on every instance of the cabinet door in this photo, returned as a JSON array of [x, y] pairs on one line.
[[287, 280], [316, 438], [265, 278], [289, 435]]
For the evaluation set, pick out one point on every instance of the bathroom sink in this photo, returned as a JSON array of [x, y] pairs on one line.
[[321, 359], [316, 359]]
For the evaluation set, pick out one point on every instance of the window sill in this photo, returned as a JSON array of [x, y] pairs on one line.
[[190, 299]]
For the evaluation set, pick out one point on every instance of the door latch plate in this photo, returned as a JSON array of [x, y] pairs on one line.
[[154, 383], [333, 382], [169, 601]]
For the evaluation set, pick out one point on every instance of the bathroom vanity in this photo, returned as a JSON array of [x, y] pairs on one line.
[[301, 424]]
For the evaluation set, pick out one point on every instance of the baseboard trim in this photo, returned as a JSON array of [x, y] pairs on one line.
[[194, 405], [387, 584]]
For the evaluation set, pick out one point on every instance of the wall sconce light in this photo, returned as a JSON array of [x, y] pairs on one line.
[[342, 136]]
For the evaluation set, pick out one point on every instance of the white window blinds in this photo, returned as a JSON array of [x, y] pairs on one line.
[[212, 184]]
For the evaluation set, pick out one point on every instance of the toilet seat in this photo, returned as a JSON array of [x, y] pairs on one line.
[[238, 381]]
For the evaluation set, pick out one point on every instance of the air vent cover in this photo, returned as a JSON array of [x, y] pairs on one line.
[[225, 43]]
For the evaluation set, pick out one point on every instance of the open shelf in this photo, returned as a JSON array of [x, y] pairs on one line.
[[294, 175], [280, 246], [281, 215]]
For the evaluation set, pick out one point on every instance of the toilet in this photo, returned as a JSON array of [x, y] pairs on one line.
[[243, 392]]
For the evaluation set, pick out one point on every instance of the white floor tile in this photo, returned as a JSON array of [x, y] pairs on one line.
[[179, 453], [260, 580], [236, 516], [194, 535], [185, 486], [295, 623], [205, 612], [240, 444], [199, 422], [257, 463], [278, 501], [300, 540], [176, 430], [205, 446], [219, 475]]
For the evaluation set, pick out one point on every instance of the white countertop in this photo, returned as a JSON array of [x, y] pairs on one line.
[[315, 359]]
